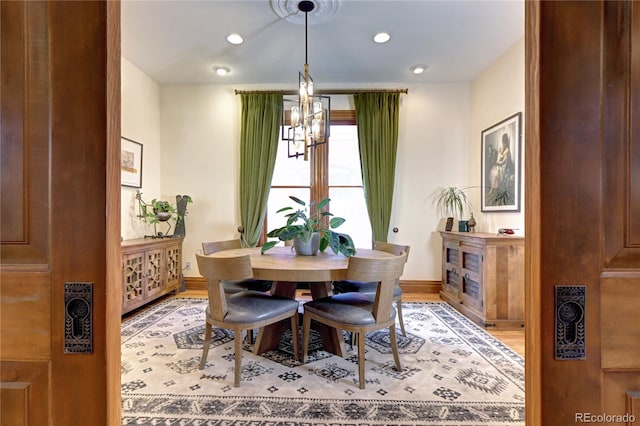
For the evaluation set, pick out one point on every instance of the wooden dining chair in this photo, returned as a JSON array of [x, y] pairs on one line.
[[243, 310], [356, 312], [234, 286], [369, 288]]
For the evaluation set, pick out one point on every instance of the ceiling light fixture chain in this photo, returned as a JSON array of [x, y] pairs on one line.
[[308, 120]]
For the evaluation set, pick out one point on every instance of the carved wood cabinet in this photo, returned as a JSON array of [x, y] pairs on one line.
[[151, 267], [483, 277]]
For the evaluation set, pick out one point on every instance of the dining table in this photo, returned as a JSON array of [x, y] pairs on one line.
[[286, 270]]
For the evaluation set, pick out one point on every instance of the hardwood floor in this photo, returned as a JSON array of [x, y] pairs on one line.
[[512, 338]]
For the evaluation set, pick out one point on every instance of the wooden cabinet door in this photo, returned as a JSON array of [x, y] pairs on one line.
[[451, 268], [154, 267], [173, 266], [133, 279], [471, 289]]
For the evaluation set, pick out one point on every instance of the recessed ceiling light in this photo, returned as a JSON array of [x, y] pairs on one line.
[[222, 70], [418, 69], [381, 37], [235, 38]]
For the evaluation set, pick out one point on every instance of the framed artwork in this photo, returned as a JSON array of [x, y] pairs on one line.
[[500, 188], [130, 163]]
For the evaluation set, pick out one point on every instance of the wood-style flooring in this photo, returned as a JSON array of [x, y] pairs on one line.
[[512, 338]]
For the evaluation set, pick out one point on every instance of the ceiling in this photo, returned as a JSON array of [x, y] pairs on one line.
[[179, 41]]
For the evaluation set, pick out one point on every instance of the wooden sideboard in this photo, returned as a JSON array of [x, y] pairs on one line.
[[483, 277], [151, 267]]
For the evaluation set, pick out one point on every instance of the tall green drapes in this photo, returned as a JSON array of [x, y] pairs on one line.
[[377, 117], [258, 148]]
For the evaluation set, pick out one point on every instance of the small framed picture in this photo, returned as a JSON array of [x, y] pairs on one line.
[[130, 163], [500, 189]]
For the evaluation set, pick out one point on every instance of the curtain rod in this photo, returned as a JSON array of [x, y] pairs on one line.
[[325, 92]]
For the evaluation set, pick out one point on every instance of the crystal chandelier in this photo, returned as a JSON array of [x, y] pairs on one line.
[[305, 121]]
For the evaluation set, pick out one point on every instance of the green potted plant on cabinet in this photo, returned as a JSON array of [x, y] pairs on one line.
[[159, 211], [309, 231], [451, 202]]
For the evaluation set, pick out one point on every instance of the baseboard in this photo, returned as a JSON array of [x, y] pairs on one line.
[[420, 286], [195, 283], [408, 286]]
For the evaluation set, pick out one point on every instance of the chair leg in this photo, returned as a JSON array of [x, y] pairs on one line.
[[205, 347], [400, 320], [294, 335], [361, 360], [394, 346], [306, 325], [237, 337]]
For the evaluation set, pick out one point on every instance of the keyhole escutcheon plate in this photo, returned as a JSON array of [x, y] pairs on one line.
[[78, 318], [570, 325]]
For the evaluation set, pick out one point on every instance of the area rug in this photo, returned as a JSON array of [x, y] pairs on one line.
[[454, 373]]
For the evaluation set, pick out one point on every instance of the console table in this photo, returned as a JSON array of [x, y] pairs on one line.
[[483, 277], [151, 267]]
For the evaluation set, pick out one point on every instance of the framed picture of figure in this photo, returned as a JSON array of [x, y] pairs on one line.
[[501, 143]]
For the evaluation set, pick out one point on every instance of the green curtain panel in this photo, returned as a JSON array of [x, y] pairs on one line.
[[377, 118], [258, 148]]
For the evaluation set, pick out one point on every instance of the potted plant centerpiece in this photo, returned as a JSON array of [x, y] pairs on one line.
[[451, 202], [309, 232]]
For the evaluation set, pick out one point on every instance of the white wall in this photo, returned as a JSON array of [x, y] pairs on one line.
[[141, 123], [439, 145], [496, 94]]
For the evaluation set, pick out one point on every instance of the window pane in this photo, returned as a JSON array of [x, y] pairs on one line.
[[344, 158], [349, 204], [290, 171]]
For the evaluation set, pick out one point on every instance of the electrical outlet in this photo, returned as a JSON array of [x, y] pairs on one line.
[[187, 266]]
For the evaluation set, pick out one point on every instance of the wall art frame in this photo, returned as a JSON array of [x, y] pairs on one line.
[[130, 163], [501, 163]]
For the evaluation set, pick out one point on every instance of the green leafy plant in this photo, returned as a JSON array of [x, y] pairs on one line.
[[158, 211], [451, 201], [305, 221]]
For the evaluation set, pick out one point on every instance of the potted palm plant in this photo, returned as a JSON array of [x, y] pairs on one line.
[[451, 202], [309, 230]]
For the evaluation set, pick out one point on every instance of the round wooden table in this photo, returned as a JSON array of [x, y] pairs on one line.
[[286, 269]]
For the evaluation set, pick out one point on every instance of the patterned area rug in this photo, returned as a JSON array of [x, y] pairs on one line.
[[454, 373]]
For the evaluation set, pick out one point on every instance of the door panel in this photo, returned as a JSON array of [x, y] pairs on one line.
[[583, 202], [59, 149]]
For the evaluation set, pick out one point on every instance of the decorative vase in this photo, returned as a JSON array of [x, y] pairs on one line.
[[307, 248], [471, 224]]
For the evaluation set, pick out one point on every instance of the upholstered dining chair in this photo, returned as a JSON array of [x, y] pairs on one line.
[[235, 286], [244, 310], [369, 288], [356, 312]]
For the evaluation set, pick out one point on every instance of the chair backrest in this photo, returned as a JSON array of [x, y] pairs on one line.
[[216, 269], [214, 246], [391, 248], [386, 271]]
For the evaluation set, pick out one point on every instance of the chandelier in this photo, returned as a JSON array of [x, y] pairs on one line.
[[305, 121]]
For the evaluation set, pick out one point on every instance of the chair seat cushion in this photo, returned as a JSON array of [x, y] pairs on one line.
[[231, 287], [349, 308], [361, 287], [254, 306]]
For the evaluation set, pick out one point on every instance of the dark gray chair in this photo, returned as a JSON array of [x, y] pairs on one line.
[[370, 288], [356, 312], [244, 310], [231, 286]]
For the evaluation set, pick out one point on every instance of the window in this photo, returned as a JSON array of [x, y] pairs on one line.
[[333, 171]]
